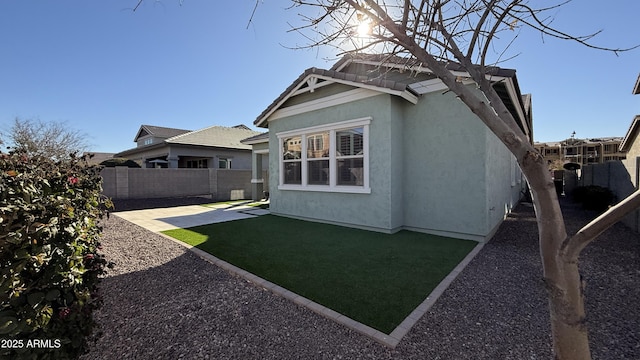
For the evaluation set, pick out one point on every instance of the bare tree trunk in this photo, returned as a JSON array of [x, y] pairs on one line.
[[560, 254], [561, 276]]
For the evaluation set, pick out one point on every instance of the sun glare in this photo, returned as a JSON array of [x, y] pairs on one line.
[[364, 28]]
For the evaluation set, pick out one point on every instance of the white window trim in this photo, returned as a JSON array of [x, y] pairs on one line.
[[332, 129], [226, 159]]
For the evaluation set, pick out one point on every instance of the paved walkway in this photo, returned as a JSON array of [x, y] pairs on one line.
[[162, 219]]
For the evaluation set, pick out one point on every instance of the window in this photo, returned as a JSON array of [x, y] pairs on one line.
[[292, 158], [197, 164], [318, 159], [326, 158], [148, 141], [350, 156], [224, 163]]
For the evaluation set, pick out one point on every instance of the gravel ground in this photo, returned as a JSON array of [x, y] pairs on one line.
[[163, 302]]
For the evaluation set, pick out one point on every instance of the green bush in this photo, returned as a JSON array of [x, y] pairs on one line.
[[594, 197], [120, 162], [49, 260]]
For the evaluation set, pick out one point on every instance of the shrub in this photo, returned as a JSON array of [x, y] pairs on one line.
[[120, 162], [593, 197], [49, 260]]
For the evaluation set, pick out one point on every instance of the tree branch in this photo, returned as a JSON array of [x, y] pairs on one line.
[[573, 246]]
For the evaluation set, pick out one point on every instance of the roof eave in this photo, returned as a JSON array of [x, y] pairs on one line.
[[255, 142], [407, 94], [139, 149], [626, 143]]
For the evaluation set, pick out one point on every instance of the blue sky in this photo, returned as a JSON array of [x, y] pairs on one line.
[[105, 70]]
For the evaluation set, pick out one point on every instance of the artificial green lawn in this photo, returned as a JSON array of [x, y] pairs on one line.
[[374, 278]]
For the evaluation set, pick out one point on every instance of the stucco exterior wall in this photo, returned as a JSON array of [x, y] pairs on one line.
[[359, 210], [444, 177], [631, 162], [618, 177], [240, 159], [504, 181], [434, 167]]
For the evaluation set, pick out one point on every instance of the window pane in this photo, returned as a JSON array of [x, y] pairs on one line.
[[350, 172], [292, 148], [318, 145], [293, 172], [318, 172], [349, 142]]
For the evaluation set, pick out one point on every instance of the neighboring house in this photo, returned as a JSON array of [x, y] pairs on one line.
[[631, 145], [216, 147], [582, 151], [95, 158], [379, 144]]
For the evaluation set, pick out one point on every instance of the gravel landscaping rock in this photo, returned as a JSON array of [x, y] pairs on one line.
[[163, 302]]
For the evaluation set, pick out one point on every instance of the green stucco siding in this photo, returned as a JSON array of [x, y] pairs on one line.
[[433, 167], [444, 161], [504, 181], [361, 210]]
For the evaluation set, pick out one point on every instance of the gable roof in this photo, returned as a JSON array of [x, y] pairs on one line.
[[631, 135], [257, 139], [158, 131], [215, 136], [409, 81], [636, 87], [313, 78]]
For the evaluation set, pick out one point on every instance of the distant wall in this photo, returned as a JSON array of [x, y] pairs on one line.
[[132, 183], [614, 176]]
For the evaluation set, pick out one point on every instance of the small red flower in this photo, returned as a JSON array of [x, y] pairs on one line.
[[64, 312], [73, 180]]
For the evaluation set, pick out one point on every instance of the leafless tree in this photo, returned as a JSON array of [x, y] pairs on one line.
[[54, 140], [468, 32]]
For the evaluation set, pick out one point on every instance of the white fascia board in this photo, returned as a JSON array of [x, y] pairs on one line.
[[513, 94], [403, 94], [325, 102], [626, 143], [253, 142], [275, 108], [331, 100]]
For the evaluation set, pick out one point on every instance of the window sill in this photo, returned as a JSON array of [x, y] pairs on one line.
[[334, 189]]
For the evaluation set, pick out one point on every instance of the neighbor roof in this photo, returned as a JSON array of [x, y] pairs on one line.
[[257, 139], [216, 136], [159, 132]]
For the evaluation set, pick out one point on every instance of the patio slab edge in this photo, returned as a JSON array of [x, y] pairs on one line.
[[389, 340]]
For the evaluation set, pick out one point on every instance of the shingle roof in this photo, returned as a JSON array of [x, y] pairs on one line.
[[410, 63], [159, 131], [398, 86], [216, 136], [260, 138]]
